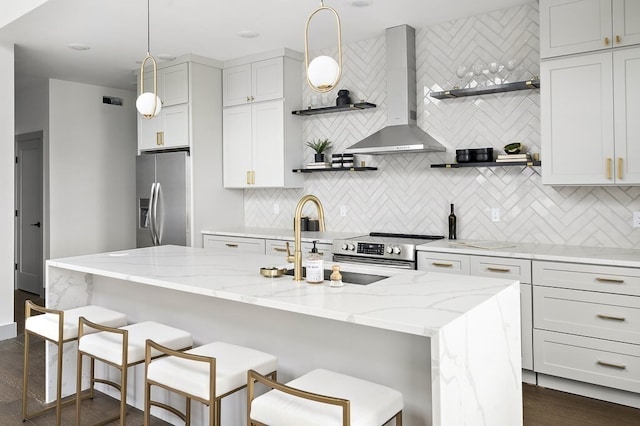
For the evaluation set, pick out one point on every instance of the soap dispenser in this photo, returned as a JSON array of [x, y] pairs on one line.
[[315, 271]]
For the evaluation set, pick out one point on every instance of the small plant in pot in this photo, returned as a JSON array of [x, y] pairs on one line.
[[319, 146]]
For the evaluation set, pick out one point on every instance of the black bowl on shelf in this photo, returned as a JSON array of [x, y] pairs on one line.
[[481, 155], [463, 156]]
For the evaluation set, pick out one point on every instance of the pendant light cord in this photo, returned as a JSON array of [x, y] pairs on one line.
[[148, 27]]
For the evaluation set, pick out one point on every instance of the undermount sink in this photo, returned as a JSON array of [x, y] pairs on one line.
[[348, 277]]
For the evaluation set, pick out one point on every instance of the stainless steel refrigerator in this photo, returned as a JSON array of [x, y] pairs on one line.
[[162, 194]]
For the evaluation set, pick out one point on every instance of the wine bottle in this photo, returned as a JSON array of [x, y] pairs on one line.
[[452, 225]]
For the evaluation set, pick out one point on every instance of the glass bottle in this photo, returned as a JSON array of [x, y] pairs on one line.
[[452, 225]]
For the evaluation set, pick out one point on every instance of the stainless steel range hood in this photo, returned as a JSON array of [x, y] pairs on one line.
[[401, 133]]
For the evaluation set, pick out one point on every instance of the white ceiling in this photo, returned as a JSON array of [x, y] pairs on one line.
[[116, 30]]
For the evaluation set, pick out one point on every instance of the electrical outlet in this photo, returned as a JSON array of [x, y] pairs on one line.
[[636, 219], [343, 211], [276, 208], [495, 214]]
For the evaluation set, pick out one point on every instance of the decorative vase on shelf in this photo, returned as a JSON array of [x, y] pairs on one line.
[[343, 98], [318, 158]]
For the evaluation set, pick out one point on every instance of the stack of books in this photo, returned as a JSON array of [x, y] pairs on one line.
[[318, 165], [513, 158]]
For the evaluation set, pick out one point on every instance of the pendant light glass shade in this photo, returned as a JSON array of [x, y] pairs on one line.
[[149, 104], [323, 73]]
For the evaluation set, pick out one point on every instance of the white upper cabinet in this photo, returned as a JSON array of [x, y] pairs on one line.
[[254, 82], [589, 119], [173, 84], [262, 140], [578, 26], [626, 106], [170, 129], [577, 120]]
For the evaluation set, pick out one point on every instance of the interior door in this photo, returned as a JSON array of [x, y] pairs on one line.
[[29, 217]]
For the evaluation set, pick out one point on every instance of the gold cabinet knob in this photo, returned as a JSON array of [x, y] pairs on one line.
[[606, 41], [618, 40]]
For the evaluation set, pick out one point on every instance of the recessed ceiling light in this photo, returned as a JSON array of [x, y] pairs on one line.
[[166, 57], [360, 3], [248, 34], [78, 46]]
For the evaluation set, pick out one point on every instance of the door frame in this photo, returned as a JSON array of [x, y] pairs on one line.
[[39, 135]]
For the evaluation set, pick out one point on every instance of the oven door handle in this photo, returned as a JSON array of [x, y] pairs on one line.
[[383, 263]]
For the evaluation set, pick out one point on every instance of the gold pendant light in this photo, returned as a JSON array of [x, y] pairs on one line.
[[323, 73], [148, 104]]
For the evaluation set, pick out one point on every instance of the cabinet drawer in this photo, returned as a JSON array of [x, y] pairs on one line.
[[585, 359], [500, 267], [443, 262], [601, 315], [606, 279], [234, 244]]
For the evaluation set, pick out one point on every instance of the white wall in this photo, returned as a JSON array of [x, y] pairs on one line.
[[7, 155], [11, 10], [92, 149]]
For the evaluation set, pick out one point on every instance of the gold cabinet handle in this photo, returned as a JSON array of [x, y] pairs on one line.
[[608, 165], [611, 317], [248, 99], [442, 264], [610, 280], [618, 39], [606, 41], [253, 177], [619, 167], [160, 138], [280, 249], [496, 269], [231, 245], [252, 98], [610, 364]]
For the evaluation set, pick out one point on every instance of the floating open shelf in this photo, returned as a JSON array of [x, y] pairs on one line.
[[327, 110], [485, 90], [486, 164], [336, 169]]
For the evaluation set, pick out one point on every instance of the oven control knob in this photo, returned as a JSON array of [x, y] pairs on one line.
[[345, 246], [350, 246], [396, 250], [389, 249]]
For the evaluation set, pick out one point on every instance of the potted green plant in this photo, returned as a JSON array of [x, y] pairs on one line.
[[319, 146]]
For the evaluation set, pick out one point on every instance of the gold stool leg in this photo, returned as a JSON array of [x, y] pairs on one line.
[[25, 375], [187, 411], [123, 394], [79, 387]]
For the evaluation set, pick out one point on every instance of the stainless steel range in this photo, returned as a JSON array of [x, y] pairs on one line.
[[381, 249]]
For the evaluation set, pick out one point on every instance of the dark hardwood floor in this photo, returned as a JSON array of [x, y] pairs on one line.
[[541, 407]]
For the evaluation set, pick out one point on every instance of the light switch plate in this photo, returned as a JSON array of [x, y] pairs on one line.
[[636, 219]]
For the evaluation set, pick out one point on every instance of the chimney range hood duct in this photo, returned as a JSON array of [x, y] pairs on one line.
[[401, 134]]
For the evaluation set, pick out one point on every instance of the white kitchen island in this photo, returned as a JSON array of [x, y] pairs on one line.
[[450, 344]]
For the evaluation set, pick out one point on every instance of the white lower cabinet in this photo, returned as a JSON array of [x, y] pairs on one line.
[[231, 244], [279, 247], [494, 267], [234, 244], [587, 323], [598, 361]]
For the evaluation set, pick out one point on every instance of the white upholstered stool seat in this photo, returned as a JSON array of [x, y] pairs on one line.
[[206, 374], [59, 327], [367, 403], [121, 348]]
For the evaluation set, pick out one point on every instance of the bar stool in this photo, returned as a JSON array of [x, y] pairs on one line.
[[121, 348], [205, 374], [59, 327], [305, 401]]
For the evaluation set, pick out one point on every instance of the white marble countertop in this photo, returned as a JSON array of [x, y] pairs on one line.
[[280, 234], [413, 302], [549, 252]]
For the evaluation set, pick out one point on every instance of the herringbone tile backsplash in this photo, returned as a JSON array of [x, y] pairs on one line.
[[406, 195]]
